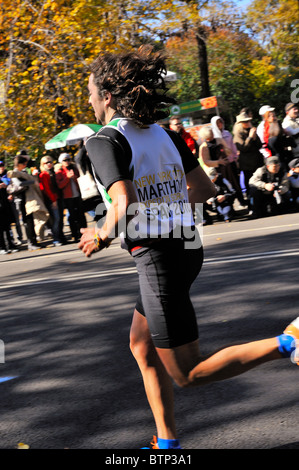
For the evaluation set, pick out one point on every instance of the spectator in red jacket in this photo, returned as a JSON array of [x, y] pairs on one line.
[[52, 198], [175, 124], [66, 178]]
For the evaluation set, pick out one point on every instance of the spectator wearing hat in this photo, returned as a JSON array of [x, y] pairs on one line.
[[291, 125], [262, 112], [23, 153], [262, 130], [248, 144], [269, 189], [293, 176], [66, 177]]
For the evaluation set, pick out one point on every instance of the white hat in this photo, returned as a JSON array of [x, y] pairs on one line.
[[264, 109], [63, 156]]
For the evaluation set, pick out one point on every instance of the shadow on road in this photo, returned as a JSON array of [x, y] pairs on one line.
[[77, 384]]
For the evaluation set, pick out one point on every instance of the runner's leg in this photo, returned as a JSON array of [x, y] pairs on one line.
[[226, 363], [157, 383]]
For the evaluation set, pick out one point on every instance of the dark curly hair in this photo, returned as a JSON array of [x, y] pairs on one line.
[[135, 81]]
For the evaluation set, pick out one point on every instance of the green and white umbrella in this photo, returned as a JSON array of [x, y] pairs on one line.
[[72, 135]]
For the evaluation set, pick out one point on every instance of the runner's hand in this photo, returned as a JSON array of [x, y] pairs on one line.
[[87, 244]]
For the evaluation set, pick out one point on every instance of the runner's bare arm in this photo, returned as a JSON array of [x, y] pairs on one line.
[[123, 195], [200, 187]]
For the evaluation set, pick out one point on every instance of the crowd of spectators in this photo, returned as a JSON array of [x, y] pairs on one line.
[[256, 166], [262, 162], [41, 200]]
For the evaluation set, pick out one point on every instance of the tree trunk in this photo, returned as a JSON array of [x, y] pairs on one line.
[[203, 63]]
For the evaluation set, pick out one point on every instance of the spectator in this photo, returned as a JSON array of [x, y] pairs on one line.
[[66, 178], [6, 218], [291, 125], [13, 205], [269, 127], [247, 111], [24, 153], [60, 202], [276, 140], [33, 209], [260, 128], [248, 144], [51, 195], [91, 198], [269, 189], [293, 176], [222, 202], [175, 124], [224, 136], [214, 153], [211, 153]]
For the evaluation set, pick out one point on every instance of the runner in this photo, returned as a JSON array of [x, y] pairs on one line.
[[146, 174]]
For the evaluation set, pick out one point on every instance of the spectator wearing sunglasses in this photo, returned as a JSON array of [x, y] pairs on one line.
[[176, 125]]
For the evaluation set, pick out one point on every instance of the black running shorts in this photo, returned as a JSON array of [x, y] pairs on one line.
[[166, 272]]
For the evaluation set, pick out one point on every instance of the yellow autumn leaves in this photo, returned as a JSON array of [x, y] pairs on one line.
[[46, 46]]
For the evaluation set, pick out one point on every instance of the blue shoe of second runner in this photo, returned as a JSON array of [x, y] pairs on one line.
[[293, 331], [288, 342]]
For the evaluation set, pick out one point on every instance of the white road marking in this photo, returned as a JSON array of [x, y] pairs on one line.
[[131, 270], [249, 230]]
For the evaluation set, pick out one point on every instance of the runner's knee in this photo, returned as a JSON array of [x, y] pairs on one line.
[[142, 348]]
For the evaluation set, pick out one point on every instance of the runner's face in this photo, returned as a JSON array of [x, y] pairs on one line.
[[96, 101]]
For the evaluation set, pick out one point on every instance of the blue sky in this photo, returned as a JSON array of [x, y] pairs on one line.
[[244, 3]]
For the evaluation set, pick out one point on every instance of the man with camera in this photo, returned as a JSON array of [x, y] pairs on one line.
[[269, 189]]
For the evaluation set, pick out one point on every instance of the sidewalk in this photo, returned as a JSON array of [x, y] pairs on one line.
[[47, 243]]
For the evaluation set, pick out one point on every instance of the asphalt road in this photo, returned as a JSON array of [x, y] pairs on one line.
[[68, 379]]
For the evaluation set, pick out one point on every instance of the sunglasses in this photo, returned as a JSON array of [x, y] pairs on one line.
[[46, 163], [67, 160]]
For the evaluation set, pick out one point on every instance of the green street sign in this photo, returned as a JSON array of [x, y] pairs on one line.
[[197, 105]]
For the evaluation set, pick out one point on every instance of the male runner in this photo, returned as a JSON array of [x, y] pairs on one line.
[[139, 165]]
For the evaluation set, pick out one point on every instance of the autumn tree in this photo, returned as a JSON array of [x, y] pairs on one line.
[[46, 46], [275, 24], [246, 66], [198, 19], [43, 58]]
